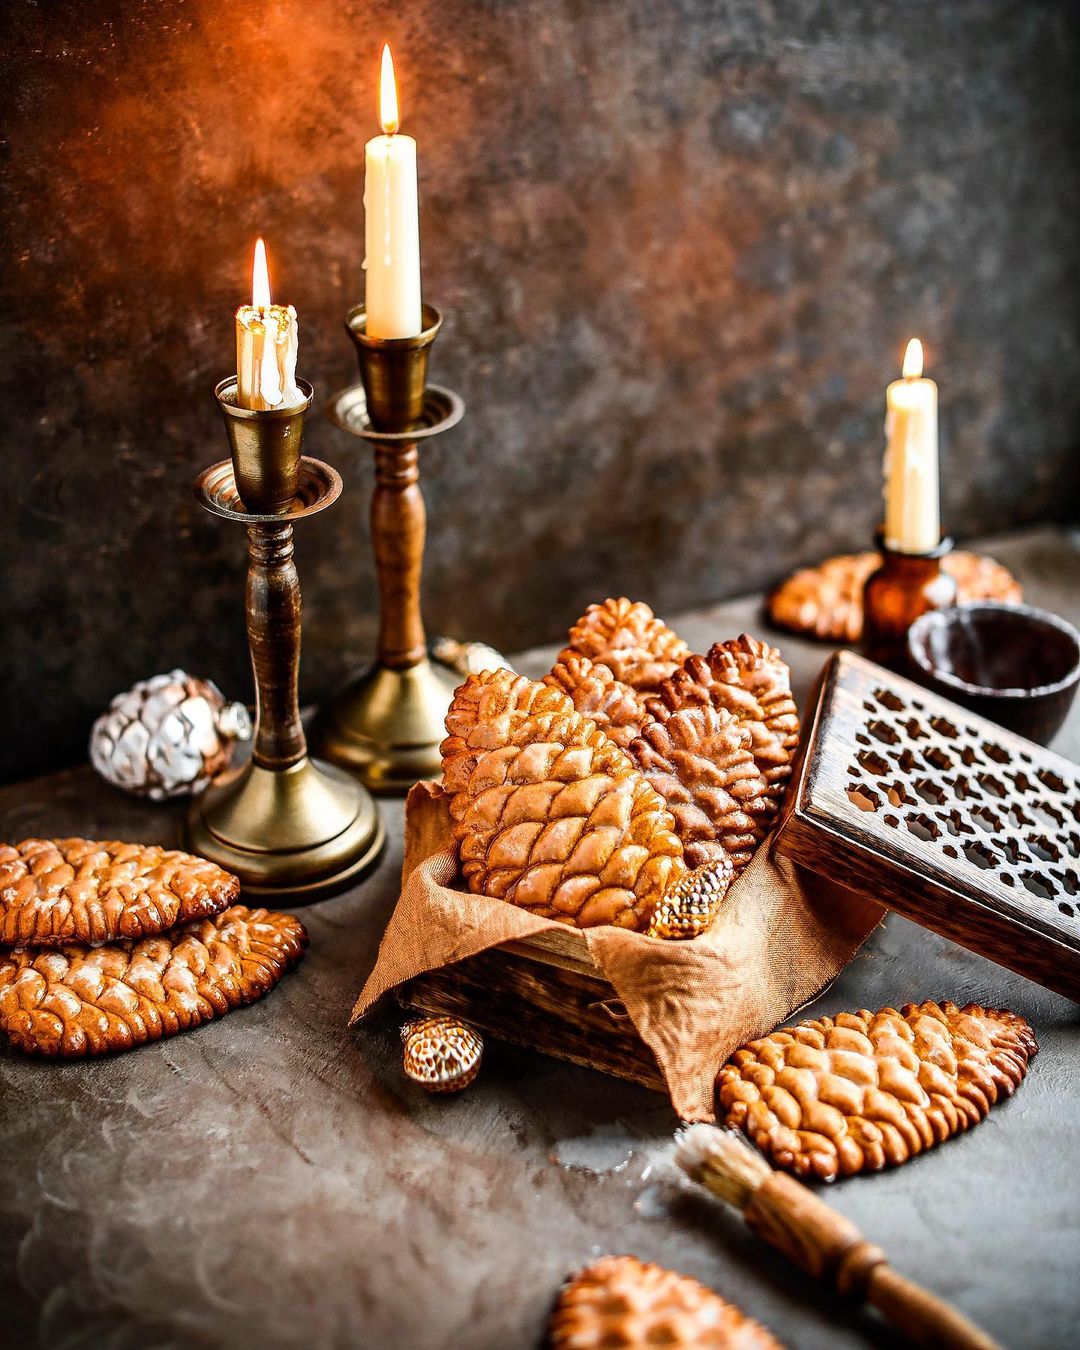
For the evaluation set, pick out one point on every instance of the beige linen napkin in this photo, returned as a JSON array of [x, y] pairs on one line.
[[781, 935]]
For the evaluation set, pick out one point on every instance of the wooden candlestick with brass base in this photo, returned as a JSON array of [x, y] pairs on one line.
[[386, 724], [903, 587], [288, 826]]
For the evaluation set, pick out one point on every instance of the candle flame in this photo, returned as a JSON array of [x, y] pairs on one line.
[[913, 360], [389, 116], [260, 278]]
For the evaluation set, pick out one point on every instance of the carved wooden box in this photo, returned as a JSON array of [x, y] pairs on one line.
[[968, 829]]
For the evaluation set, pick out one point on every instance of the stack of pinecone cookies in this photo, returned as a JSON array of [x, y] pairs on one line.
[[631, 785], [104, 946]]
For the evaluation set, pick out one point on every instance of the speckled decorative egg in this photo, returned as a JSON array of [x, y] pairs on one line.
[[441, 1054]]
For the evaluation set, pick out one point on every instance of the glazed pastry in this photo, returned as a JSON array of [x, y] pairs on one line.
[[555, 818], [57, 891], [863, 1090], [750, 680], [616, 709], [628, 638], [78, 1001], [621, 1303], [484, 713], [699, 760]]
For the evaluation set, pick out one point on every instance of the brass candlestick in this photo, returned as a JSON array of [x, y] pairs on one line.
[[903, 587], [285, 824], [386, 724]]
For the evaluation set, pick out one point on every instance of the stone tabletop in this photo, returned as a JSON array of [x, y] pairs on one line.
[[272, 1181]]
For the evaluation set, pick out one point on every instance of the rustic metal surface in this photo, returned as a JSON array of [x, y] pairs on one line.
[[271, 1181], [679, 246]]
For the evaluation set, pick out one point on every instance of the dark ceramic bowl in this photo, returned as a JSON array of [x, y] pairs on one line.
[[1015, 665]]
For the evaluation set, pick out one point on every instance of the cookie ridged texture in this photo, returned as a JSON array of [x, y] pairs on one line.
[[620, 1301], [700, 762], [484, 714], [751, 680], [560, 822], [628, 638], [827, 601], [57, 891], [78, 1001], [863, 1091], [595, 691]]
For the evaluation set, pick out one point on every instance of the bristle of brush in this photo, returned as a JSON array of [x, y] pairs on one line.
[[721, 1161]]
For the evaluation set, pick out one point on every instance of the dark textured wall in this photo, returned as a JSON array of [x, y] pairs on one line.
[[679, 244]]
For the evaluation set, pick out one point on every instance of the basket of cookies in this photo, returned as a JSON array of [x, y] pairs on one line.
[[594, 877]]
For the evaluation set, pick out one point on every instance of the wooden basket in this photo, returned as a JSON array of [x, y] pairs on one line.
[[543, 993], [603, 997]]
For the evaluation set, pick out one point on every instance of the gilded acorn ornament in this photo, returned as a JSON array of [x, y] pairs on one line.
[[688, 908]]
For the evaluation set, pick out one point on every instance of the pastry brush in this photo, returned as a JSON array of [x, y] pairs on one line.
[[811, 1234]]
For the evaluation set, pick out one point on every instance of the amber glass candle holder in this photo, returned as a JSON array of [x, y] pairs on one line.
[[905, 586]]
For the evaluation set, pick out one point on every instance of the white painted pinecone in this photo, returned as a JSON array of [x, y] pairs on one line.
[[167, 736]]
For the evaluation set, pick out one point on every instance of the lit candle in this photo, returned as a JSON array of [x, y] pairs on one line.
[[912, 521], [266, 344], [392, 222]]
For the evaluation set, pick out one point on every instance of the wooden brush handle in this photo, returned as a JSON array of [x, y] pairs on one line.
[[922, 1317], [822, 1242]]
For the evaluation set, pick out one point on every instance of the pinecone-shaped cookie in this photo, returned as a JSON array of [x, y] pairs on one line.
[[700, 762], [760, 670], [621, 1303], [749, 679], [594, 690], [557, 819], [77, 1001], [825, 601], [56, 891], [628, 638], [484, 713], [863, 1090]]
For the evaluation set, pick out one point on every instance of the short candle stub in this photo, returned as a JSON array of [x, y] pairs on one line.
[[265, 446], [394, 370]]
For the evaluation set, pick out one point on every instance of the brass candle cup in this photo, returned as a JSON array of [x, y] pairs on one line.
[[265, 448], [386, 723], [902, 588], [1016, 665], [288, 826], [393, 370]]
